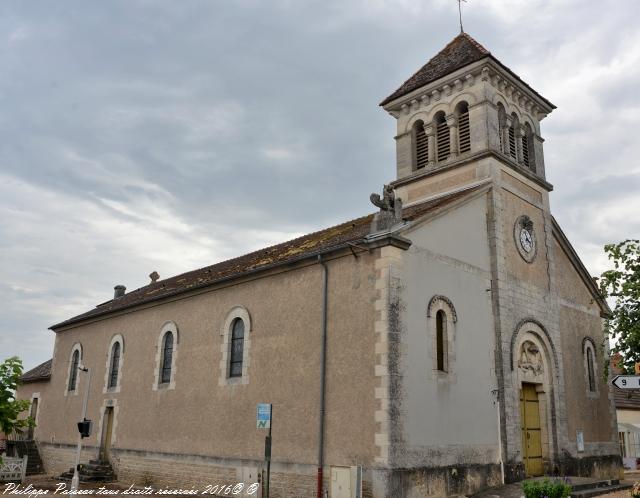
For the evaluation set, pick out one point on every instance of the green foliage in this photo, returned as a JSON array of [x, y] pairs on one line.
[[10, 407], [546, 489], [622, 286]]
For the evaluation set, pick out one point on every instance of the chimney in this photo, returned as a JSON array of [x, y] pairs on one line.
[[118, 291]]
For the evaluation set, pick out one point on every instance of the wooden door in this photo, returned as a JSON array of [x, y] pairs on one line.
[[33, 414], [107, 428], [531, 435]]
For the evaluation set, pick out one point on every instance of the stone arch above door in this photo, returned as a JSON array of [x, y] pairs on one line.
[[534, 364], [539, 335]]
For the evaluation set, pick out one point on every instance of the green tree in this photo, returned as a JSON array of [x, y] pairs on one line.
[[621, 285], [10, 407]]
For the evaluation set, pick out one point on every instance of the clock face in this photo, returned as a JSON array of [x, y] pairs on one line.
[[526, 240]]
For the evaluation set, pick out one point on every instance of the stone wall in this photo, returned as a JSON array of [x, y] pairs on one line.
[[59, 458], [457, 480], [195, 471]]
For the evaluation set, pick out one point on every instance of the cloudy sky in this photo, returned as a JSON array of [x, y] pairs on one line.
[[161, 135]]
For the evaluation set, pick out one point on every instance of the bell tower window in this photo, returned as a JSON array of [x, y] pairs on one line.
[[464, 130], [421, 145], [513, 148], [442, 137], [527, 148], [502, 126]]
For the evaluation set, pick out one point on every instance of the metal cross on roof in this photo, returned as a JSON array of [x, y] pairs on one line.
[[460, 12]]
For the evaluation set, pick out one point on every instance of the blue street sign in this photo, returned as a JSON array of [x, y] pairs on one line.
[[264, 416]]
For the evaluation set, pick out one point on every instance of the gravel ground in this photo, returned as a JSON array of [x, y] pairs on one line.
[[618, 494]]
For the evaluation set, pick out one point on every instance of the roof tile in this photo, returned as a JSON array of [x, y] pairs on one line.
[[41, 372], [626, 399], [286, 252], [461, 51]]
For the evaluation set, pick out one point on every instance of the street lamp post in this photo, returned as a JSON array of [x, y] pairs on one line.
[[75, 482]]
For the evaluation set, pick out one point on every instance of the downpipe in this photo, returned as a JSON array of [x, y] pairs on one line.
[[323, 367], [496, 401]]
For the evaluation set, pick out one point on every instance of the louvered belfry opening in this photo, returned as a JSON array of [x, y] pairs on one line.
[[464, 129], [502, 120], [512, 142], [527, 148], [422, 145], [442, 137]]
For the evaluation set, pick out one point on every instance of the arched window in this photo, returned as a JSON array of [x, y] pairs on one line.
[[441, 341], [73, 373], [441, 325], [513, 148], [502, 125], [167, 358], [421, 145], [115, 365], [443, 143], [590, 366], [464, 130], [237, 348], [527, 148], [591, 375]]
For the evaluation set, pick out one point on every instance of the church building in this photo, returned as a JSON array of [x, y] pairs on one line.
[[450, 341]]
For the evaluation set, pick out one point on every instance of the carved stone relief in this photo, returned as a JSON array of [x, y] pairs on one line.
[[530, 361]]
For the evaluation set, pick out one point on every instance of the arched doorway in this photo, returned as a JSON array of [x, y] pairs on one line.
[[532, 356]]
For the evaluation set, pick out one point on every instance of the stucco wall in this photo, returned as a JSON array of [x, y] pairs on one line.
[[449, 418], [41, 390], [201, 417]]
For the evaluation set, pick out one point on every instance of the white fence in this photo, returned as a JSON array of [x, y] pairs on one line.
[[13, 469]]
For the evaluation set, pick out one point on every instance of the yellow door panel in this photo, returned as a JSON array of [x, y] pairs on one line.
[[531, 436], [532, 415], [535, 467], [534, 448]]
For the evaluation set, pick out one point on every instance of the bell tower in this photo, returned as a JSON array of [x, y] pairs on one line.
[[460, 114]]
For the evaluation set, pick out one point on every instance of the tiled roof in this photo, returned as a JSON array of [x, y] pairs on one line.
[[460, 52], [626, 399], [287, 252], [41, 372]]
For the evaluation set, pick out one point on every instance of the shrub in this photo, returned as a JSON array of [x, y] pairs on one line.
[[546, 489]]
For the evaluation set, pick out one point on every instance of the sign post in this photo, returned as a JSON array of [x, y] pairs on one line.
[[626, 381], [75, 481], [263, 421]]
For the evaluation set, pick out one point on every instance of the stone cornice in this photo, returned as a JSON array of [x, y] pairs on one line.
[[435, 91], [471, 158], [489, 70]]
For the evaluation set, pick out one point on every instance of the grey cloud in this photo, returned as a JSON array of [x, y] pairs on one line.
[[140, 135]]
